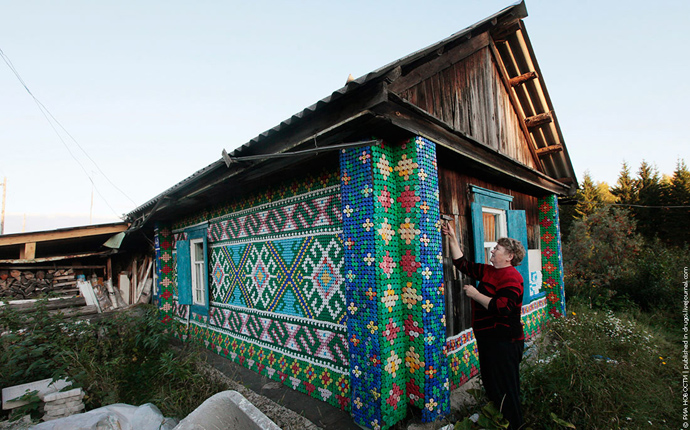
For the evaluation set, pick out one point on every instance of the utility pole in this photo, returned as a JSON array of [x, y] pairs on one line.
[[91, 209], [4, 196]]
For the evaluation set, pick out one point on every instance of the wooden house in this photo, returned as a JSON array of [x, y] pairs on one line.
[[312, 254]]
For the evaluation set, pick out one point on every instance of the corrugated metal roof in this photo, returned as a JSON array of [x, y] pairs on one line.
[[515, 11], [516, 54]]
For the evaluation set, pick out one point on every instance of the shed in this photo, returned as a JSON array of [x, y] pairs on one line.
[[50, 260], [312, 254]]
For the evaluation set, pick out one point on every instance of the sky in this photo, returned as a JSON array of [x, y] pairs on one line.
[[128, 98]]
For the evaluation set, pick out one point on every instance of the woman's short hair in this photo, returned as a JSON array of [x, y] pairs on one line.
[[514, 247]]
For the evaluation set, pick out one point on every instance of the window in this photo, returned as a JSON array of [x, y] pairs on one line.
[[198, 262], [492, 219], [495, 227], [192, 270]]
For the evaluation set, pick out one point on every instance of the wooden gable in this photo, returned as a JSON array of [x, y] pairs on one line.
[[471, 96]]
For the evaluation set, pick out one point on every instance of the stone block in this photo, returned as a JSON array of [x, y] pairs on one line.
[[72, 403], [44, 387], [63, 395], [59, 411], [75, 408]]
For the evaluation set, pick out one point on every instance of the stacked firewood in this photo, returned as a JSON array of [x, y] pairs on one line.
[[26, 284]]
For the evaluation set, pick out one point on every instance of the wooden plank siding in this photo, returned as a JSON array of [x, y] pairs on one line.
[[455, 201], [470, 96]]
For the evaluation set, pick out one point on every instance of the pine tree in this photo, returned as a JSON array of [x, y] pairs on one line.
[[678, 194], [650, 218], [588, 197], [680, 184], [625, 191]]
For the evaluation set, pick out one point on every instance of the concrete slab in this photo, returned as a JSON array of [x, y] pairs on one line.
[[227, 410], [322, 414], [460, 399]]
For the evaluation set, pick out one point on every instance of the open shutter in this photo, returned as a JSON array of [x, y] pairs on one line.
[[478, 232], [517, 229], [184, 273], [201, 234]]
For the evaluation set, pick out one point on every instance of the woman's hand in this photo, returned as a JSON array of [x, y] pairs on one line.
[[470, 291], [449, 230], [475, 295]]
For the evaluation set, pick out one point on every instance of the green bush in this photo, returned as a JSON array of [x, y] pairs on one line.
[[124, 357], [657, 277], [29, 345], [608, 265], [600, 250]]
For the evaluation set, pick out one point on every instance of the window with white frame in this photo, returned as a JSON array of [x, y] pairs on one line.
[[495, 227], [192, 268], [198, 261], [492, 218]]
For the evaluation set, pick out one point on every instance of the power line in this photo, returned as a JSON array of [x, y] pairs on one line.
[[571, 202], [48, 116], [648, 206]]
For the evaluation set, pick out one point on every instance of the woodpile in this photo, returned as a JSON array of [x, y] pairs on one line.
[[26, 284], [131, 286], [77, 291]]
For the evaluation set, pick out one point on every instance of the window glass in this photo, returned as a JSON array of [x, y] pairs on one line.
[[198, 265], [489, 227], [198, 251], [495, 227]]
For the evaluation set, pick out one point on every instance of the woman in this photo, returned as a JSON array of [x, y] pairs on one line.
[[496, 308]]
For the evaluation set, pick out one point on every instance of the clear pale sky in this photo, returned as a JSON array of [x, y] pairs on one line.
[[154, 90]]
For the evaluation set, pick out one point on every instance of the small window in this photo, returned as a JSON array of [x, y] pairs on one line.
[[192, 270], [495, 227], [198, 271], [492, 219]]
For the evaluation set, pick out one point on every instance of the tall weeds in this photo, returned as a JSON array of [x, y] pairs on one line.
[[126, 357]]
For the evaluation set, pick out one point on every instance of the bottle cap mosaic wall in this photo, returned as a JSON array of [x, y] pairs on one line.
[[333, 285], [394, 282]]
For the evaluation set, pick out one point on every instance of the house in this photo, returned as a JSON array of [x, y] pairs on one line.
[[313, 255]]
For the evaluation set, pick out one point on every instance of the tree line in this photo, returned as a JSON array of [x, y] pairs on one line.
[[659, 204]]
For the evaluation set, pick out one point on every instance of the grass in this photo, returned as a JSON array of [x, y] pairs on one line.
[[603, 370], [599, 369], [596, 369]]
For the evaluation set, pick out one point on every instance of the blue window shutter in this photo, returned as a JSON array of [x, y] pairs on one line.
[[517, 229], [478, 232], [208, 299], [184, 273]]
